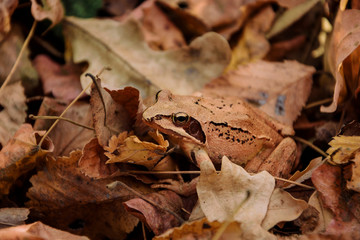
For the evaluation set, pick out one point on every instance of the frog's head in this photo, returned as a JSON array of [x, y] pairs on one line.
[[174, 115]]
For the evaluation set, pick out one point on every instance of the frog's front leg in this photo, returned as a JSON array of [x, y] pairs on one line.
[[180, 187], [280, 161]]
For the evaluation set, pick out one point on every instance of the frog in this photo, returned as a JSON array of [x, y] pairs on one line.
[[224, 126]]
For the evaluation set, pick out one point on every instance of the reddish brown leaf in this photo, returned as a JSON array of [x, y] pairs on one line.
[[157, 218], [66, 136], [61, 81], [64, 197], [20, 155], [92, 161]]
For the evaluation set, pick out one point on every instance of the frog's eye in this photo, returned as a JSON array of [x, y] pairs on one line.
[[157, 95], [180, 118]]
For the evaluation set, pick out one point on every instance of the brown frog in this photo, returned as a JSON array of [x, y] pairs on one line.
[[224, 126]]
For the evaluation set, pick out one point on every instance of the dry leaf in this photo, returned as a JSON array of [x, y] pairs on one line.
[[327, 180], [204, 229], [343, 148], [9, 51], [301, 176], [80, 204], [354, 182], [220, 195], [282, 208], [7, 7], [117, 8], [61, 81], [325, 215], [92, 161], [155, 217], [342, 54], [133, 150], [110, 119], [121, 46], [66, 136], [20, 155], [47, 9], [37, 231], [252, 44], [13, 111], [13, 216], [159, 32], [279, 89]]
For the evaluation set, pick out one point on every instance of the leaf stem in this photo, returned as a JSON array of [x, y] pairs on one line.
[[310, 145], [318, 103], [23, 48], [60, 118]]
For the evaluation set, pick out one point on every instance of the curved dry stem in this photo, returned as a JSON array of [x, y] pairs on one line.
[[310, 145], [31, 116], [26, 43]]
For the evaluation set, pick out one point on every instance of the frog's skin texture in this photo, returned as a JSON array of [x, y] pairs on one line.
[[220, 126]]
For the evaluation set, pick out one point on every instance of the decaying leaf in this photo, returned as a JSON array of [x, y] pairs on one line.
[[282, 208], [92, 161], [66, 136], [110, 119], [325, 215], [343, 148], [159, 32], [157, 218], [73, 198], [327, 180], [354, 182], [7, 7], [342, 57], [121, 46], [61, 81], [37, 231], [9, 51], [13, 111], [132, 150], [20, 154], [47, 9], [204, 229], [252, 44], [233, 193], [300, 176], [279, 89], [13, 216]]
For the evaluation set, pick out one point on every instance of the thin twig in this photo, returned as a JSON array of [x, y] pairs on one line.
[[57, 120], [31, 116], [114, 184], [23, 48], [318, 103], [310, 145], [198, 172]]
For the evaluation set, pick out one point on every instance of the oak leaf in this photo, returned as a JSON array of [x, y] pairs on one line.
[[233, 192], [134, 63]]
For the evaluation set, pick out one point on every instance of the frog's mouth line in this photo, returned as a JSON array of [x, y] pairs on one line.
[[192, 127]]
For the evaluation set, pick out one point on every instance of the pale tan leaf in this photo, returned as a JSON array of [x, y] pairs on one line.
[[13, 216], [282, 207], [121, 46], [7, 7], [13, 114], [300, 176], [325, 215], [343, 45], [47, 9], [220, 195]]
